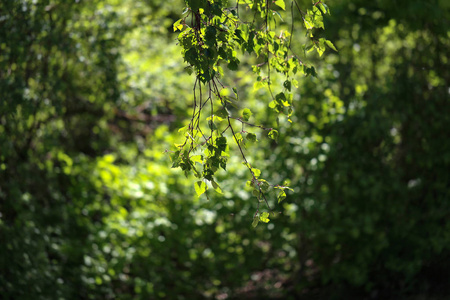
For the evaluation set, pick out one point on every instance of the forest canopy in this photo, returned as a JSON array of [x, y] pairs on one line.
[[95, 202]]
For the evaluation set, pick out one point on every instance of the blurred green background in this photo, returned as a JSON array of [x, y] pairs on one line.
[[91, 96]]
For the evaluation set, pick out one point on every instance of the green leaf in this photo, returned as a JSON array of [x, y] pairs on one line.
[[176, 159], [216, 187], [281, 4], [238, 137], [278, 14], [233, 65], [325, 8], [221, 141], [281, 98], [281, 196], [251, 137], [264, 185], [195, 4], [287, 85], [222, 113], [197, 158], [311, 71], [212, 125], [264, 217], [200, 188], [189, 70], [249, 184], [256, 172], [273, 134], [223, 162], [177, 25], [321, 8], [246, 114], [330, 44], [255, 221], [210, 36]]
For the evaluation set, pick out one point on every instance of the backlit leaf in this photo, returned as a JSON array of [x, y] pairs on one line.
[[264, 217], [177, 25], [281, 4], [330, 44], [246, 114], [200, 187], [273, 134], [256, 172], [281, 196]]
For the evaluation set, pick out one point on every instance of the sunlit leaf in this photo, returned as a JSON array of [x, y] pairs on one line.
[[273, 134], [281, 4], [177, 25], [330, 44], [256, 172], [281, 196], [197, 158], [200, 187], [264, 217]]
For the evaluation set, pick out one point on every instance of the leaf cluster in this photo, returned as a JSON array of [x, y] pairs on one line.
[[212, 35]]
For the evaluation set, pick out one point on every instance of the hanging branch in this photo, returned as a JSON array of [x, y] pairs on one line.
[[210, 36]]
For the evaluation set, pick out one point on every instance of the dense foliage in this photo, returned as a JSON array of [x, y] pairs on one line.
[[92, 94]]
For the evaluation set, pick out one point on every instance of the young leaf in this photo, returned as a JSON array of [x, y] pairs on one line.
[[273, 134], [238, 137], [264, 217], [246, 114], [330, 44], [176, 159], [281, 196], [196, 158], [325, 8], [264, 185], [278, 14], [281, 4], [177, 25], [216, 187], [200, 188], [256, 172]]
